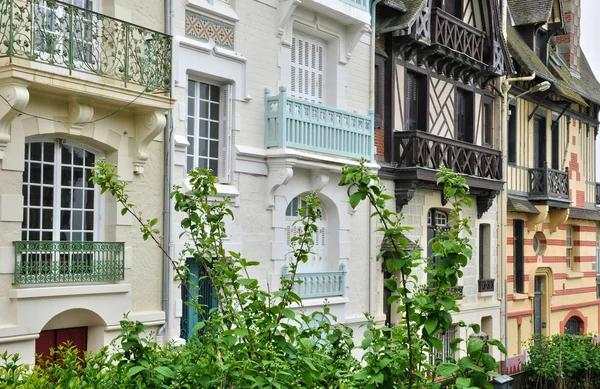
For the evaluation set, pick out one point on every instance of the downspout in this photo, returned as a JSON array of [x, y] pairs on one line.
[[372, 262], [502, 207], [166, 279]]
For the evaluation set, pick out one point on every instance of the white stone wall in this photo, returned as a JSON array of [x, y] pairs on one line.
[[261, 188]]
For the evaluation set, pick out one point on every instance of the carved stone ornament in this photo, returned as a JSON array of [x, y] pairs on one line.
[[148, 125], [404, 192], [18, 97], [484, 202], [79, 115], [280, 173]]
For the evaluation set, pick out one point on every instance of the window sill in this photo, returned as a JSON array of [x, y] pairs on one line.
[[520, 296], [574, 274]]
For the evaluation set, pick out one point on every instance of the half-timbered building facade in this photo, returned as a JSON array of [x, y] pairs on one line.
[[436, 62], [552, 219]]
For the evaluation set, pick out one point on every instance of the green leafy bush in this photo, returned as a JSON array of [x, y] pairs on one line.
[[253, 339]]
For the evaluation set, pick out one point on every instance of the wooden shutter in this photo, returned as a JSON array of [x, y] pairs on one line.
[[225, 134], [308, 68], [518, 263]]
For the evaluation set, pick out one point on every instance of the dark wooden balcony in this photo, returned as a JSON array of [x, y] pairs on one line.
[[485, 285], [549, 186], [449, 31], [418, 156]]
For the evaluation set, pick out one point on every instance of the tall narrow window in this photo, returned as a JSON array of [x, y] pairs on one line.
[[464, 116], [569, 247], [308, 68], [416, 102], [518, 255], [539, 141], [445, 354], [488, 123], [512, 134], [437, 223], [200, 291], [317, 260], [379, 91], [208, 127], [486, 283], [453, 7], [555, 145], [59, 199]]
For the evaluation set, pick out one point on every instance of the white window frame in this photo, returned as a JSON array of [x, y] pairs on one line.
[[98, 231], [299, 70], [224, 127], [569, 247]]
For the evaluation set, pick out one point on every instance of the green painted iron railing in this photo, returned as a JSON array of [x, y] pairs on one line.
[[319, 284], [360, 4], [297, 123], [51, 262], [81, 40]]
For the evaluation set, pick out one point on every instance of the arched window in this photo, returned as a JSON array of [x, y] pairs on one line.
[[60, 201], [573, 326], [437, 222], [317, 262]]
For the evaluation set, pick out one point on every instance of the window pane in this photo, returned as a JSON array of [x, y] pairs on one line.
[[35, 173], [65, 198], [77, 198], [203, 91], [78, 177], [48, 198], [214, 167], [214, 111], [202, 163], [203, 129], [203, 109], [65, 220], [34, 218], [46, 235], [214, 93], [89, 221], [190, 126], [35, 195], [47, 219], [191, 88], [190, 105], [48, 152], [88, 181], [36, 152], [90, 158], [67, 152], [214, 149], [214, 130], [34, 235], [78, 155], [89, 201], [77, 221], [203, 147], [48, 174], [66, 176]]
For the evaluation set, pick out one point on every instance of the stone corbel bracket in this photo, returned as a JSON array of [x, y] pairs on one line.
[[286, 9], [148, 125], [79, 115], [280, 173], [17, 96], [534, 219], [558, 217], [319, 179]]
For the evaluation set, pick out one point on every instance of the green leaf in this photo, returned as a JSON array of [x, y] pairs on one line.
[[240, 332], [355, 198], [447, 369], [430, 325], [475, 346], [134, 370], [391, 284], [288, 313], [462, 382], [497, 343], [164, 370]]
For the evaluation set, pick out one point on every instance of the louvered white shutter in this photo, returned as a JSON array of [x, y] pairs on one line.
[[308, 68], [225, 134]]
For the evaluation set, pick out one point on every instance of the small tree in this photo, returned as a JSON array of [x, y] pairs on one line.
[[253, 339]]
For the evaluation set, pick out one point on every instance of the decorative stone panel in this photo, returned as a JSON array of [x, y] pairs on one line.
[[203, 29]]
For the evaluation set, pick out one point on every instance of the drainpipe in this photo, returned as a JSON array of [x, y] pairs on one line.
[[166, 279], [502, 293], [372, 262]]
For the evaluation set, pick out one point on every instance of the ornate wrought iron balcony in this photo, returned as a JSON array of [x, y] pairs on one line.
[[320, 284], [457, 35], [297, 123], [81, 40], [548, 184], [50, 262], [417, 149], [485, 285]]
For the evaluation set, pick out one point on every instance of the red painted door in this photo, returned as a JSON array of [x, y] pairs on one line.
[[53, 338]]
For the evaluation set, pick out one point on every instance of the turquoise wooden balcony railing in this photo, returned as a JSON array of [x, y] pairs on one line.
[[319, 284], [50, 262], [81, 40], [300, 124], [360, 4]]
